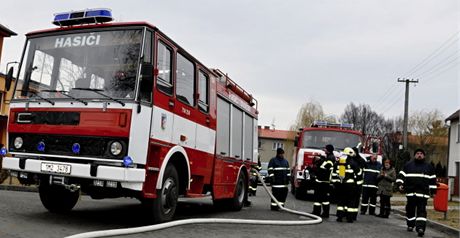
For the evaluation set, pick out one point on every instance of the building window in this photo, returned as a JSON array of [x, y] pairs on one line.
[[277, 145], [185, 80], [458, 133]]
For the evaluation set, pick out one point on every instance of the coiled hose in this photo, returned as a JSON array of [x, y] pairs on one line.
[[129, 231]]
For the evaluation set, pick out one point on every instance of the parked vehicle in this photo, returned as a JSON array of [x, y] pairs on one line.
[[310, 143], [121, 110]]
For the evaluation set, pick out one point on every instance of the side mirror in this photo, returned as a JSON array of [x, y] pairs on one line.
[[9, 79], [296, 141]]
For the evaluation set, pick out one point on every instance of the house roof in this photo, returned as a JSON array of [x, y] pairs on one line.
[[454, 116], [276, 134], [5, 32]]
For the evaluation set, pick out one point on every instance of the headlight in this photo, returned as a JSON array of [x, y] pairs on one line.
[[18, 142], [116, 148]]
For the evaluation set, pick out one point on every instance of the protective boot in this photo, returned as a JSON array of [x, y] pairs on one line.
[[316, 209], [386, 212], [325, 213]]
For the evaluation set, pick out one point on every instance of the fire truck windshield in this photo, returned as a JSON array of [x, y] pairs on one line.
[[106, 61], [319, 139]]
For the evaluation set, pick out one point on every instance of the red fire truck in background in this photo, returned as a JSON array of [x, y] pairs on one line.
[[310, 143], [121, 110]]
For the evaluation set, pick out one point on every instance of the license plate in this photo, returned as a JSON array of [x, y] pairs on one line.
[[56, 168]]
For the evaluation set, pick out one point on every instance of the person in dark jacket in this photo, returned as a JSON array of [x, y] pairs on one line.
[[360, 163], [418, 181], [385, 188], [279, 176], [324, 166], [343, 177], [371, 172]]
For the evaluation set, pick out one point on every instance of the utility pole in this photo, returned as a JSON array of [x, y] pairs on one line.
[[406, 108]]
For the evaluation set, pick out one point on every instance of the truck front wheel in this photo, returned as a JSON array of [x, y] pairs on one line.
[[57, 199], [163, 207]]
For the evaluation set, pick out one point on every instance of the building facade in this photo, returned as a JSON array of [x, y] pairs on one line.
[[453, 170], [271, 139]]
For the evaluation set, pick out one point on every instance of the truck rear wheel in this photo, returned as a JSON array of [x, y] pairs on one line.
[[57, 199], [164, 206], [241, 194]]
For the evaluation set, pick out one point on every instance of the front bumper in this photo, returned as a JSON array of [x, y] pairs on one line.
[[131, 178]]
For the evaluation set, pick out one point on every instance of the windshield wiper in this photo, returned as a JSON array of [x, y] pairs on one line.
[[38, 96], [98, 91], [65, 94]]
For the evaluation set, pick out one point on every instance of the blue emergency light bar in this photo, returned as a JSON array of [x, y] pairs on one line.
[[87, 16], [329, 124]]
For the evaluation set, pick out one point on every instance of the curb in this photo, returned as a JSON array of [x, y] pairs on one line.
[[432, 224], [18, 188]]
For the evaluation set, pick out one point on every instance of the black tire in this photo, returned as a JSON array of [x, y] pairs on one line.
[[240, 196], [57, 199], [163, 207]]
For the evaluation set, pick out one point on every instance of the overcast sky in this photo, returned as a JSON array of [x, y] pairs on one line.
[[288, 52]]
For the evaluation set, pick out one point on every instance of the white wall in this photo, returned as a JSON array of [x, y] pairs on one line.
[[454, 147]]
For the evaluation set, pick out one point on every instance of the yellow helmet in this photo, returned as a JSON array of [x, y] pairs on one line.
[[349, 151]]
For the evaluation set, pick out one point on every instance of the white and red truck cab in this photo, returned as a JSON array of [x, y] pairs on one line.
[[120, 109], [310, 143]]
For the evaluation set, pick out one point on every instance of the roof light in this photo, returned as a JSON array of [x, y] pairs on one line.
[[87, 16]]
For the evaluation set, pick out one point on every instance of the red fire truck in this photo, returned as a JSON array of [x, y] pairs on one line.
[[310, 143], [121, 110]]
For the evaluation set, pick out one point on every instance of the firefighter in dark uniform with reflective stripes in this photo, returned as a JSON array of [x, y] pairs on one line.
[[360, 163], [322, 182], [279, 175], [371, 172], [418, 181], [254, 179], [343, 177]]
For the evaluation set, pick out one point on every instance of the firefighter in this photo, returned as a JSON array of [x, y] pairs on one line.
[[360, 163], [324, 166], [418, 180], [371, 172], [254, 179], [343, 177], [279, 175]]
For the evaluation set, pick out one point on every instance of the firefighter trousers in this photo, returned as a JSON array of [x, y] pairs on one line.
[[369, 200], [346, 197], [280, 193], [253, 185], [355, 207], [321, 199], [416, 212]]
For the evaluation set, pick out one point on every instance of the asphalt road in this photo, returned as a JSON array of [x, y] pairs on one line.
[[22, 215]]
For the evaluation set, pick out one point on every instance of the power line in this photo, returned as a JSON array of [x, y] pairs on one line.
[[383, 104], [433, 76], [439, 63], [433, 54]]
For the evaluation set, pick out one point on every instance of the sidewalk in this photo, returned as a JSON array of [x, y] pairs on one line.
[[400, 197]]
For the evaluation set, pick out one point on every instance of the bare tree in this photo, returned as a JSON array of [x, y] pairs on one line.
[[308, 113], [365, 119], [427, 126]]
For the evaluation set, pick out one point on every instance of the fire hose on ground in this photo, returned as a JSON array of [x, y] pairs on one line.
[[134, 230]]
